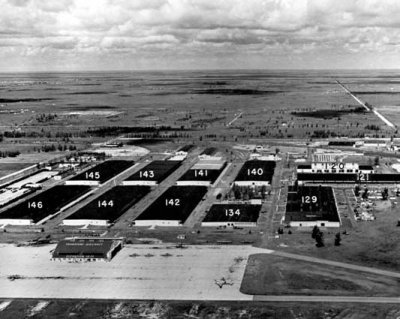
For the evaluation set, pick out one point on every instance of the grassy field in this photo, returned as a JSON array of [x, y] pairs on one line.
[[275, 275], [369, 243]]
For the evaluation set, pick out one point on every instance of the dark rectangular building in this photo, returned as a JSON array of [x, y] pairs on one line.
[[173, 207], [308, 206], [153, 173], [100, 173], [244, 215], [42, 205], [108, 207], [256, 172]]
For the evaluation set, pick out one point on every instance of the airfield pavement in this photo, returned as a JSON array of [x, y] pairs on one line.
[[140, 272]]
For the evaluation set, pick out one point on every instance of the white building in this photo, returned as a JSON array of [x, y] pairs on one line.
[[325, 167], [84, 222], [157, 222]]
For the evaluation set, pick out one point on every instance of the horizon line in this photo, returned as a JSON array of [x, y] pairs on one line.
[[198, 70]]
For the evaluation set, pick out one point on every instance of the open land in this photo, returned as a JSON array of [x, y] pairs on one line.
[[143, 117]]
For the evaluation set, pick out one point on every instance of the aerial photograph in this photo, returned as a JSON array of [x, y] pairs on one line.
[[200, 159]]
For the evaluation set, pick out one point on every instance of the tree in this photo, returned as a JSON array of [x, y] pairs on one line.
[[315, 231], [319, 238], [365, 194], [263, 191], [338, 239], [357, 190], [385, 193]]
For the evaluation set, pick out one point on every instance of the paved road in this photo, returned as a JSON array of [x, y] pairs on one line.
[[384, 119], [338, 264], [340, 299]]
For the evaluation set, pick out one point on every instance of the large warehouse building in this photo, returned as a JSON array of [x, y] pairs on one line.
[[173, 207], [204, 173], [152, 174], [100, 173], [108, 207], [24, 186], [256, 173], [308, 206], [87, 249], [43, 205], [233, 215]]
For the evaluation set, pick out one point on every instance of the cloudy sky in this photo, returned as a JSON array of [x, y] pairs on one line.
[[40, 35]]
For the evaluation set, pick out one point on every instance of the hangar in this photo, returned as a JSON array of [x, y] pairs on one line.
[[108, 207], [308, 206], [100, 173], [173, 207], [204, 173], [153, 173], [256, 173], [239, 215], [87, 249], [43, 205]]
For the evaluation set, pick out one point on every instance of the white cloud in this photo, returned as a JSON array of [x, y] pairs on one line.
[[182, 30]]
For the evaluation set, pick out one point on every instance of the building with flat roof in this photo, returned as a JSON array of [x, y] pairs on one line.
[[173, 207], [308, 206], [44, 205], [100, 173], [153, 173], [204, 173], [256, 173], [233, 215], [335, 167], [108, 207], [87, 249]]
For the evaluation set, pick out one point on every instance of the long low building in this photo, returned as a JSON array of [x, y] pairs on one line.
[[43, 205], [108, 207], [335, 168], [173, 207], [308, 206], [233, 215], [348, 178], [256, 173], [100, 173], [8, 196], [34, 179], [153, 173], [87, 249], [204, 173]]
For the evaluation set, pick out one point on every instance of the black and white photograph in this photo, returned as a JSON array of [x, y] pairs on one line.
[[200, 159]]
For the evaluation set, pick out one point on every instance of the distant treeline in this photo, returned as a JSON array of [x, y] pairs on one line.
[[9, 153], [328, 114], [10, 100], [53, 147], [118, 130], [104, 131], [235, 92]]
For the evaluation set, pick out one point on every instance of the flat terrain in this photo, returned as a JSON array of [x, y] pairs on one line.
[[137, 272], [268, 274], [369, 243]]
